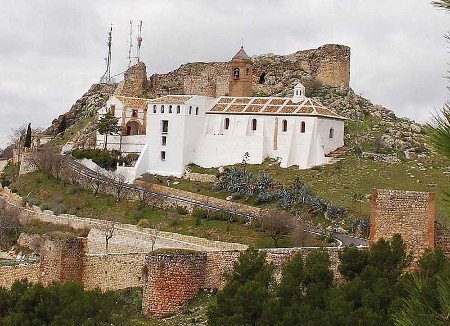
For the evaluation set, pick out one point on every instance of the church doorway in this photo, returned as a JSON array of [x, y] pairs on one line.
[[133, 128]]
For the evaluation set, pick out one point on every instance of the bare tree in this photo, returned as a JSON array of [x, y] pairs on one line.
[[153, 238], [17, 135], [276, 224], [97, 180], [119, 181], [9, 226], [108, 231], [49, 161]]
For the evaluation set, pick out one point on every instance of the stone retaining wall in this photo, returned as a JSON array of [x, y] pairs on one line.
[[113, 271], [11, 274], [126, 238], [220, 203]]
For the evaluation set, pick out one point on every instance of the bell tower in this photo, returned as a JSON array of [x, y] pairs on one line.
[[241, 72]]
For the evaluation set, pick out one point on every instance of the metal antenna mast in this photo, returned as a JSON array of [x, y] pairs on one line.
[[106, 78], [139, 42], [131, 44]]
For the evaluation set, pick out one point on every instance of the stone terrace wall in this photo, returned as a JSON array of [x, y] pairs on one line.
[[127, 238], [328, 65], [442, 238], [113, 271], [408, 213], [11, 274], [229, 205], [170, 281]]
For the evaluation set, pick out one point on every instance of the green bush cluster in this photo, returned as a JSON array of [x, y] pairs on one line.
[[378, 290], [105, 159], [65, 304]]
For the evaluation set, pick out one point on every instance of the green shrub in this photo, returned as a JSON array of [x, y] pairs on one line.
[[200, 213], [59, 208], [73, 189], [103, 158], [143, 223], [181, 210]]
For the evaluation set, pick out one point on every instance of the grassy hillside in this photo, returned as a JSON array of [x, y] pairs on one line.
[[39, 189]]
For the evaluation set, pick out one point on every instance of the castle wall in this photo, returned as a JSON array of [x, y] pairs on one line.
[[11, 274], [328, 65], [170, 281], [113, 271], [62, 260], [135, 81], [408, 213]]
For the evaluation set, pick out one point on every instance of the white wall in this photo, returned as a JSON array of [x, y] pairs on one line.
[[183, 132], [218, 146], [130, 144]]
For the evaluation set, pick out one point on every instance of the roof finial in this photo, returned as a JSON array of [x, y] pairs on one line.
[[242, 42]]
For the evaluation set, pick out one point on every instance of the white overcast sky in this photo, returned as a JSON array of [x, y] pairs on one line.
[[51, 51]]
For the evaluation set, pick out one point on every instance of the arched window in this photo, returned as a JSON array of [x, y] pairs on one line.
[[190, 110], [284, 125], [331, 133], [247, 71], [262, 78], [154, 108], [178, 109], [302, 127], [236, 73], [254, 124], [162, 108], [226, 124], [170, 108], [196, 110]]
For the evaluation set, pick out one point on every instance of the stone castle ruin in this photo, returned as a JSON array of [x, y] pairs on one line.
[[182, 266]]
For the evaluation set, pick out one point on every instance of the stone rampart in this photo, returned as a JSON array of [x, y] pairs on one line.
[[113, 271], [328, 65], [62, 260], [11, 274], [171, 280], [167, 286], [408, 213]]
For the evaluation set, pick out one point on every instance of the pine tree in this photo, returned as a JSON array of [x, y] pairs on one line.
[[27, 143], [107, 125]]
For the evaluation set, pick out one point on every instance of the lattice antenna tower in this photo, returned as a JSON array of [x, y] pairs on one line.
[[130, 49], [139, 41], [106, 78]]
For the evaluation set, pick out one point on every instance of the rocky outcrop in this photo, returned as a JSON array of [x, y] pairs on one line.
[[381, 128], [85, 106], [135, 81]]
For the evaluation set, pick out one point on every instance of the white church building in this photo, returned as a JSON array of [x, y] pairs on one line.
[[215, 132]]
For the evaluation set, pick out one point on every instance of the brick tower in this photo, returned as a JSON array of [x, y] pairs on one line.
[[241, 71]]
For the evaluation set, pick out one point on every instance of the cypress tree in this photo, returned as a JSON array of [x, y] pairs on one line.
[[27, 143]]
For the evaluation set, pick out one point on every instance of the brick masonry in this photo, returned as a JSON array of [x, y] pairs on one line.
[[408, 213], [171, 280]]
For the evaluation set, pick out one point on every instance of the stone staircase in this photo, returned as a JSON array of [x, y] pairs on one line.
[[337, 154]]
